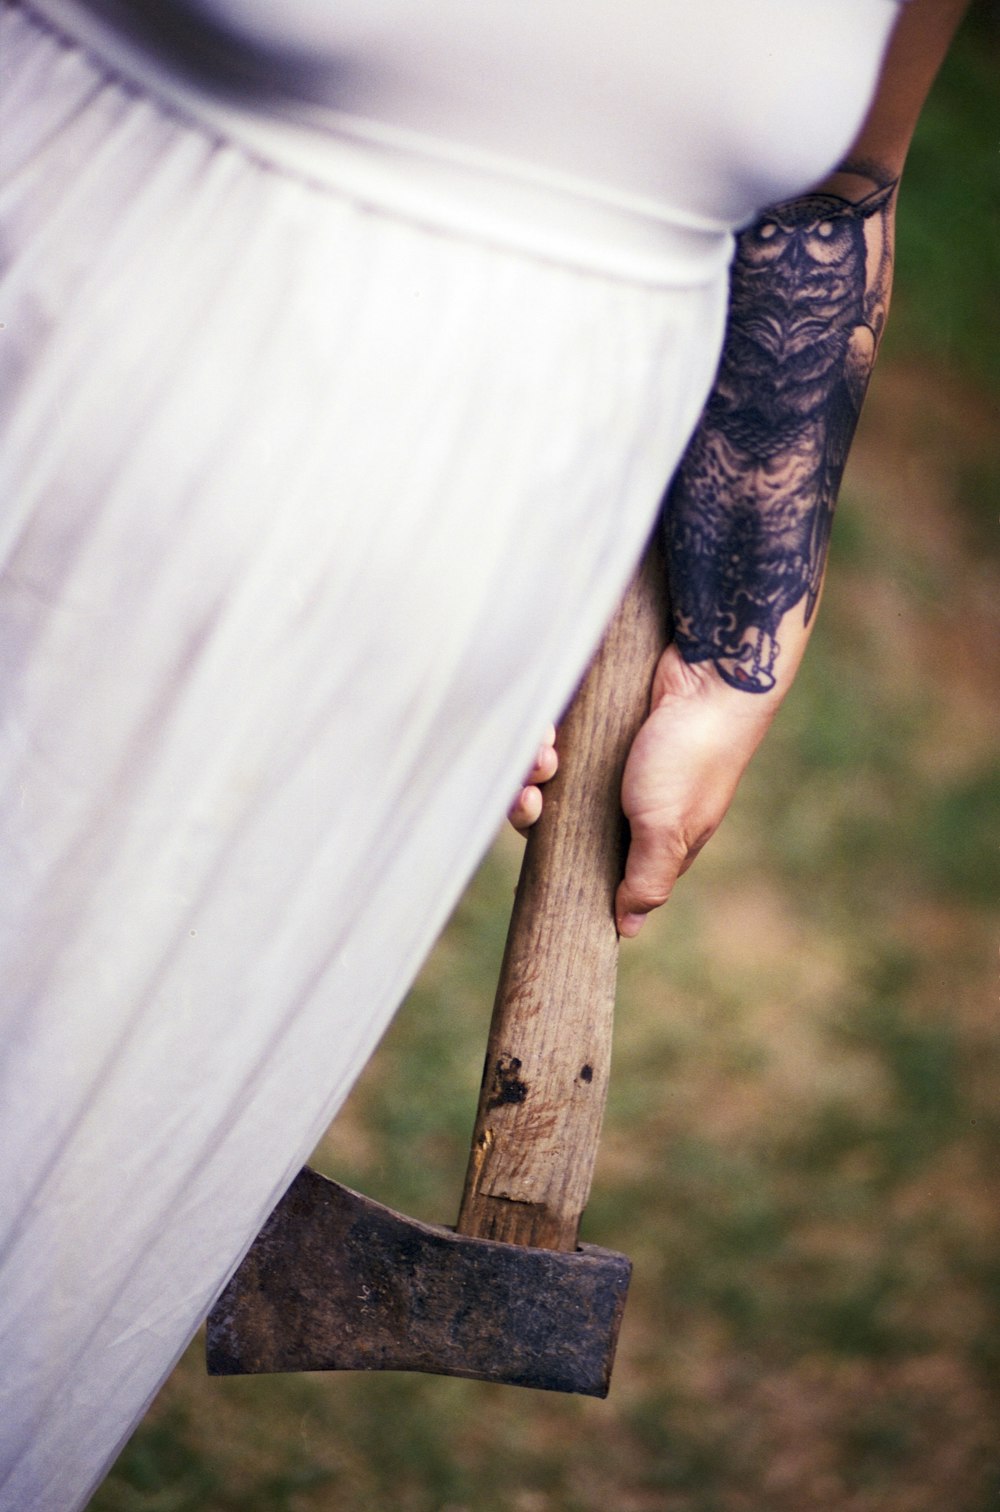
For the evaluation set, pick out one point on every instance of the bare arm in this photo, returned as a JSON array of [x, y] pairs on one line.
[[748, 518]]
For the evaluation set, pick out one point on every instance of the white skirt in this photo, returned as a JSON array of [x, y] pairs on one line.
[[311, 519]]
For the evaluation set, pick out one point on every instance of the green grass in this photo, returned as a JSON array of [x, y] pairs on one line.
[[945, 305]]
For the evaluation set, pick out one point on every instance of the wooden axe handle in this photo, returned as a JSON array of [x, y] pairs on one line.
[[548, 1057]]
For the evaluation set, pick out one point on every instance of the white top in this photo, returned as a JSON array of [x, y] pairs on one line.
[[628, 136]]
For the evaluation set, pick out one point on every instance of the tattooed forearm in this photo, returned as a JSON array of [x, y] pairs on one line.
[[748, 517]]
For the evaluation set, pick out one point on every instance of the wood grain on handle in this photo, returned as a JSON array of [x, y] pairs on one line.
[[549, 1052]]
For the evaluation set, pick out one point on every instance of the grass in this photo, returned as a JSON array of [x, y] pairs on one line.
[[802, 1143], [951, 199]]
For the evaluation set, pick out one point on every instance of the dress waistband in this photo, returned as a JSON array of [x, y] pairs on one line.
[[441, 184]]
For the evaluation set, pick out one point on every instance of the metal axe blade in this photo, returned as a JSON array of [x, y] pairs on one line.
[[336, 1281]]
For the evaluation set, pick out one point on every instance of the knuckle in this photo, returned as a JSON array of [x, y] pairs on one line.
[[648, 891]]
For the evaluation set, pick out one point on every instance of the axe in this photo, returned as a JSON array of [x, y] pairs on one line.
[[335, 1281]]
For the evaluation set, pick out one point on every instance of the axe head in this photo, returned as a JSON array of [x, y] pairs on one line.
[[335, 1281]]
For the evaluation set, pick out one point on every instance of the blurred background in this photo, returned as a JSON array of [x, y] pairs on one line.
[[802, 1147]]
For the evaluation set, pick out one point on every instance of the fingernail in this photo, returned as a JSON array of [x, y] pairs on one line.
[[631, 924]]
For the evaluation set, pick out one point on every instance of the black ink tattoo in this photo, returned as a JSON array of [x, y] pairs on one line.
[[748, 516]]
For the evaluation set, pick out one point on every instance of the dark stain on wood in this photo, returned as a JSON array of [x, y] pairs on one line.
[[508, 1086]]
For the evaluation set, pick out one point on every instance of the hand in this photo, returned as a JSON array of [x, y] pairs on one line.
[[528, 804], [680, 777]]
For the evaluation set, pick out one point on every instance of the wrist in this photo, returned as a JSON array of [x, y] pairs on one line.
[[709, 678]]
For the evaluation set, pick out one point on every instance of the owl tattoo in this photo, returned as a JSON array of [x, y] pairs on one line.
[[748, 516]]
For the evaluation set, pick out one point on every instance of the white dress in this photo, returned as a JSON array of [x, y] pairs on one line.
[[336, 409]]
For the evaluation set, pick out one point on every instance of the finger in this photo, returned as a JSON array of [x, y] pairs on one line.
[[545, 765], [546, 759], [651, 869], [526, 808]]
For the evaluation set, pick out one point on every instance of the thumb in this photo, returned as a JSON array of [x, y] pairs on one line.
[[653, 865]]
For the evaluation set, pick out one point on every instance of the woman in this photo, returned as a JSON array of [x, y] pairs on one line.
[[347, 355]]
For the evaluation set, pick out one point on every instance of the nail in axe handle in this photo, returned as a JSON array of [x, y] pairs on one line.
[[548, 1059], [336, 1281]]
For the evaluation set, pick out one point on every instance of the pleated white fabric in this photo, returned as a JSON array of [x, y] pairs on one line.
[[310, 520]]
